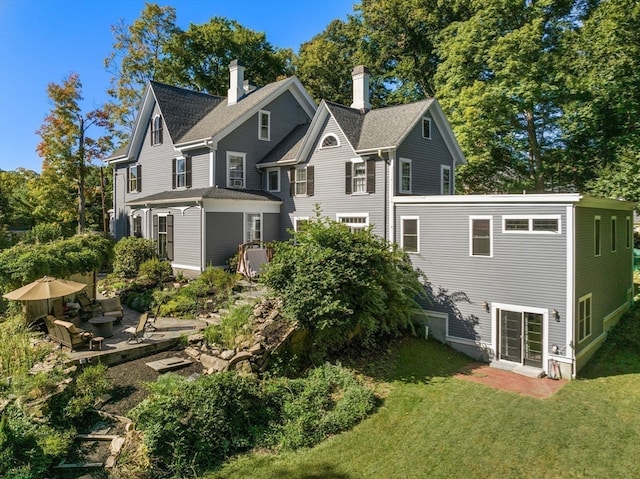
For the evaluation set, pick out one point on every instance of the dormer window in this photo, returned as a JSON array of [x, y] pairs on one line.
[[156, 130], [329, 141], [264, 125], [426, 128], [235, 169]]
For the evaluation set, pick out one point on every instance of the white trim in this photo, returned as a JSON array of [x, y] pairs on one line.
[[391, 213], [278, 174], [571, 283], [422, 127], [472, 218], [299, 218], [597, 239], [400, 175], [595, 343], [268, 114], [444, 168], [186, 266], [212, 167], [320, 147], [244, 169], [402, 220], [588, 296], [616, 312], [203, 238], [455, 339], [530, 219]]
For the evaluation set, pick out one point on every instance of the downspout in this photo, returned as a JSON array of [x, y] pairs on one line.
[[390, 190]]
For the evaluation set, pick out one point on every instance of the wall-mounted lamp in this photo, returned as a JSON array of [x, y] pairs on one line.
[[486, 306], [555, 349], [555, 314]]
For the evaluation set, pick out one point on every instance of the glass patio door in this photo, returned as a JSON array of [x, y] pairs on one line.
[[521, 337]]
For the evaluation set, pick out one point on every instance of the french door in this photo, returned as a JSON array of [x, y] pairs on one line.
[[520, 337]]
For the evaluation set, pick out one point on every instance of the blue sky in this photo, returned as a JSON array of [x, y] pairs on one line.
[[43, 41]]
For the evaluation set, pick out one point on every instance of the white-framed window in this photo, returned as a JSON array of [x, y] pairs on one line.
[[481, 236], [597, 239], [410, 234], [405, 175], [301, 181], [445, 180], [181, 172], [360, 177], [584, 317], [137, 226], [273, 179], [253, 227], [299, 222], [426, 128], [236, 167], [355, 221], [264, 125], [614, 233], [156, 130], [163, 235], [538, 224], [134, 175], [628, 232], [329, 141]]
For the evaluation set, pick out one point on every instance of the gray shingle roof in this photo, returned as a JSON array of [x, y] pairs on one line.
[[377, 128], [223, 114], [177, 196], [182, 109], [288, 148]]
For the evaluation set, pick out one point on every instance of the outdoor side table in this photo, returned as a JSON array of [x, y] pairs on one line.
[[104, 325], [95, 342]]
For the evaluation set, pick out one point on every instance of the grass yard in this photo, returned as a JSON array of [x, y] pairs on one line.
[[433, 425]]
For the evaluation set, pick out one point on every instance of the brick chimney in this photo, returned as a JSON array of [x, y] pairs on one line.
[[360, 76], [236, 80]]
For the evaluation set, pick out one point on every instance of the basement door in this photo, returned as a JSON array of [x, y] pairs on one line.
[[520, 337]]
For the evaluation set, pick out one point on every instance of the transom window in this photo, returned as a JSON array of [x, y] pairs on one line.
[[156, 130], [273, 179], [426, 128], [531, 224], [329, 141], [405, 175], [235, 169], [409, 234], [264, 125], [481, 243], [584, 317], [356, 222]]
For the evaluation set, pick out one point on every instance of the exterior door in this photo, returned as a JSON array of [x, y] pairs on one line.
[[521, 337]]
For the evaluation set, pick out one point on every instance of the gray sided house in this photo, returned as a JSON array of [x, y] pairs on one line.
[[515, 279], [521, 280]]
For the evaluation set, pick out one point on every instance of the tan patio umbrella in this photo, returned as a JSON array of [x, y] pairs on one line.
[[45, 288]]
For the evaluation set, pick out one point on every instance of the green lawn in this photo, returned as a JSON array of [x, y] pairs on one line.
[[433, 425]]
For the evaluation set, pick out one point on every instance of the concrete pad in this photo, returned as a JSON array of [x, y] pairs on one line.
[[168, 364]]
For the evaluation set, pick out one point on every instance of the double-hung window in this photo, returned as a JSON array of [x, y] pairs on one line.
[[182, 172], [405, 175], [426, 128], [584, 317], [236, 166], [301, 181], [409, 234], [481, 239], [360, 176], [156, 130], [253, 227], [163, 235], [264, 125], [137, 226], [445, 180], [273, 179], [134, 175], [597, 239]]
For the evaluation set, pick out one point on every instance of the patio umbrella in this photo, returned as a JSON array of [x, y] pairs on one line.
[[45, 288]]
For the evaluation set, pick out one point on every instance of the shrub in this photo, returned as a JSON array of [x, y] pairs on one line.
[[232, 325], [43, 233], [89, 385], [156, 270], [343, 287], [130, 252]]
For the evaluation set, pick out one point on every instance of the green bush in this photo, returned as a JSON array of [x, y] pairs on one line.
[[156, 270], [233, 324], [88, 386], [344, 287], [129, 253], [43, 233]]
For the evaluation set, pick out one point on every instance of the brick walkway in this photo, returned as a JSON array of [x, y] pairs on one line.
[[540, 388]]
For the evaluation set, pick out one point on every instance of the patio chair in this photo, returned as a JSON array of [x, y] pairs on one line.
[[86, 307], [112, 307], [137, 332], [66, 333]]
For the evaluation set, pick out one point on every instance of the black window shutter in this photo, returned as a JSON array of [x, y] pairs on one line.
[[188, 171], [173, 174], [155, 227], [347, 178], [170, 237], [128, 168], [310, 181], [371, 176], [292, 181], [139, 182]]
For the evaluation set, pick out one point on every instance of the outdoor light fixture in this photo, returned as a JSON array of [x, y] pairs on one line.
[[486, 306], [555, 349], [555, 314]]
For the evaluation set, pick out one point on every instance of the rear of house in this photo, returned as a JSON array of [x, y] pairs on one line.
[[515, 279]]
